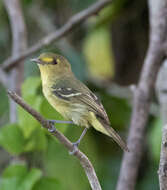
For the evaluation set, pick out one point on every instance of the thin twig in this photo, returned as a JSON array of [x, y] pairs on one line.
[[143, 94], [86, 164], [161, 89], [73, 22]]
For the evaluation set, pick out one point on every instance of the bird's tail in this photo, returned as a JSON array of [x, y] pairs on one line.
[[112, 133], [106, 129]]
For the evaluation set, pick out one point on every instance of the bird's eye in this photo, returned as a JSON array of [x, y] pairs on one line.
[[55, 62]]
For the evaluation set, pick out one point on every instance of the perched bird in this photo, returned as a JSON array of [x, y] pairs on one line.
[[71, 98]]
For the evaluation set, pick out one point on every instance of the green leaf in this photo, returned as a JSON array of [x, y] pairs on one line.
[[30, 86], [9, 183], [155, 137], [30, 179], [27, 123], [15, 170], [37, 140], [47, 183], [11, 139], [17, 177], [12, 176]]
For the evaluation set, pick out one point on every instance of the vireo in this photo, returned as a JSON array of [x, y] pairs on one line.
[[71, 98]]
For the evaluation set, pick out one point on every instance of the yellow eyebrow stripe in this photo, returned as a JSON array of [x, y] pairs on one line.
[[47, 59]]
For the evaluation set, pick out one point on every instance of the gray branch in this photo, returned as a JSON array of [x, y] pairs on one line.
[[72, 23], [19, 43], [143, 94], [84, 161], [161, 89]]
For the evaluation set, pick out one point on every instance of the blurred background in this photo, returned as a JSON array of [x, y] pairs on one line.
[[106, 53]]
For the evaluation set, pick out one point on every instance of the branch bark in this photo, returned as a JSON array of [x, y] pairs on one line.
[[19, 43], [84, 161], [72, 23], [3, 78], [161, 89], [143, 94]]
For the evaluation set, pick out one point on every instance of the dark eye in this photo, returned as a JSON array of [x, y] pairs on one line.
[[55, 62]]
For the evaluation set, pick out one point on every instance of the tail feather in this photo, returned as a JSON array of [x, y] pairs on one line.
[[105, 128], [112, 133]]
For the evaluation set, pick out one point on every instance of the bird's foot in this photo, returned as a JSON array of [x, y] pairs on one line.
[[52, 128], [76, 144], [51, 122], [75, 148]]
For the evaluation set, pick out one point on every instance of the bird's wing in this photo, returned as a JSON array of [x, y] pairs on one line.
[[85, 97], [95, 106]]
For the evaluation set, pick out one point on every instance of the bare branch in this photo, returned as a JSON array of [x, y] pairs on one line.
[[161, 89], [84, 161], [19, 40], [143, 94], [73, 22], [19, 43]]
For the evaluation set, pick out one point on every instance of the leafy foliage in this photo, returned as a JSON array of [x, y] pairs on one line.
[[17, 177], [155, 137], [47, 183], [11, 138]]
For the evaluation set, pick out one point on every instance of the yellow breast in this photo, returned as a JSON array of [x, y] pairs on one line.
[[58, 104]]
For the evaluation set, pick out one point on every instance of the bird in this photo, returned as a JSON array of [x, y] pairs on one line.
[[72, 98]]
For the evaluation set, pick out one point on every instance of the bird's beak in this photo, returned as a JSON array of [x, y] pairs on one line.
[[36, 60]]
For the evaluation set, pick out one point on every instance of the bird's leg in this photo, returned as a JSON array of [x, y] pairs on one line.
[[59, 121], [52, 123], [80, 138], [76, 144]]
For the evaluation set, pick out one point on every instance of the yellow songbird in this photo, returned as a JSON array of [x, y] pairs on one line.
[[71, 98]]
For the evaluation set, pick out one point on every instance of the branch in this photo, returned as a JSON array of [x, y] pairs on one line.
[[161, 89], [72, 23], [19, 43], [163, 160], [19, 39], [84, 161], [143, 94]]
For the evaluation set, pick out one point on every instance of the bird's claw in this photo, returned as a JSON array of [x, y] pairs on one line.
[[75, 148], [52, 129], [51, 122]]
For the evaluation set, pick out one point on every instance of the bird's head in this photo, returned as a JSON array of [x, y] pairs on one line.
[[52, 64]]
